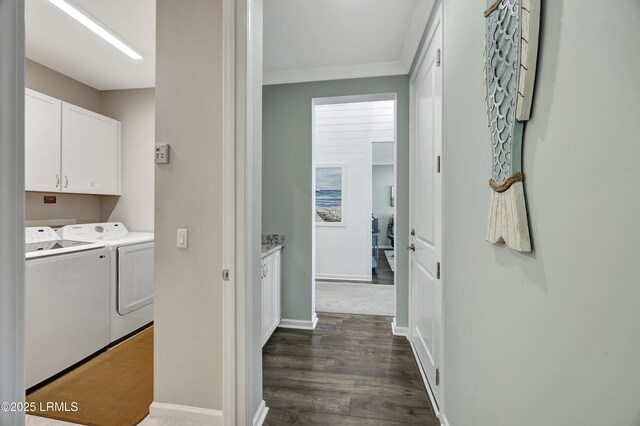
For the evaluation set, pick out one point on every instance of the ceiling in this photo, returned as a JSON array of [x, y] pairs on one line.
[[304, 40], [311, 40], [57, 41]]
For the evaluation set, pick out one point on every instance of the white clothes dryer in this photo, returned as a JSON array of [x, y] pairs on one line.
[[131, 273]]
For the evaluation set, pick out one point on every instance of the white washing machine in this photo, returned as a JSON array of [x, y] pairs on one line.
[[131, 272], [66, 303]]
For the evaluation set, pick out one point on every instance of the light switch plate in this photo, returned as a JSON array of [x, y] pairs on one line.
[[162, 153], [182, 238]]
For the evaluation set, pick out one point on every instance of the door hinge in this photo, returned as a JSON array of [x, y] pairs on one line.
[[438, 57], [437, 377], [438, 270], [225, 275], [438, 164]]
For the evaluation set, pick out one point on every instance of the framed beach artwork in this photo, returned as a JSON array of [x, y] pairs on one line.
[[330, 185]]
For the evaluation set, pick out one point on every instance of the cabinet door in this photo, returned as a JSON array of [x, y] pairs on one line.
[[274, 272], [90, 152], [272, 292], [42, 142], [267, 303]]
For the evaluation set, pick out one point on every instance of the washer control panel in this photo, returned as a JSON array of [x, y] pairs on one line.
[[40, 234], [94, 231]]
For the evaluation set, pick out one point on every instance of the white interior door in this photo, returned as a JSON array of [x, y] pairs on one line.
[[426, 214]]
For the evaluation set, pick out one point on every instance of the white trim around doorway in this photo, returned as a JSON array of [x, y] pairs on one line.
[[228, 238]]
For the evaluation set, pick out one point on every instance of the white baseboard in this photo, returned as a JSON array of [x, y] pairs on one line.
[[399, 331], [185, 413], [261, 414], [443, 420], [299, 324], [425, 381], [335, 277]]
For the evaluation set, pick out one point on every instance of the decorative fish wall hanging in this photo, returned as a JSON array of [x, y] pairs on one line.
[[510, 69]]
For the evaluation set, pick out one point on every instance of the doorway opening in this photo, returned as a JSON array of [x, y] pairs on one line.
[[89, 78], [354, 181]]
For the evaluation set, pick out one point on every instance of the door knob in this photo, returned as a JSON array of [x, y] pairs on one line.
[[412, 247]]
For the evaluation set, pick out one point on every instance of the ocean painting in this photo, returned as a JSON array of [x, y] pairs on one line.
[[329, 202]]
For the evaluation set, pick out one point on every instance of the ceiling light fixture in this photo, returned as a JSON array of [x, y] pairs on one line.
[[93, 24]]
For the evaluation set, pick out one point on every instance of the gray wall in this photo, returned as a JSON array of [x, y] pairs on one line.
[[188, 300], [548, 338], [136, 110], [286, 183], [45, 80], [382, 209]]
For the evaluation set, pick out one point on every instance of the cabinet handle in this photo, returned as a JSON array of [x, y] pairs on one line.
[[66, 185], [266, 270], [57, 181]]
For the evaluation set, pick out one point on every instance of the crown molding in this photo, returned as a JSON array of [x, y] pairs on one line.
[[419, 20], [335, 73]]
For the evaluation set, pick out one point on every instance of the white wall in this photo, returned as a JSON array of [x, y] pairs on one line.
[[188, 347], [551, 337], [383, 179], [136, 111], [342, 135]]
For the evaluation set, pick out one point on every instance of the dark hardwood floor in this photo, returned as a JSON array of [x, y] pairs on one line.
[[351, 370], [385, 275]]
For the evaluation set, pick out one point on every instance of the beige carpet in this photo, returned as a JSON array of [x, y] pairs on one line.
[[113, 389], [348, 298]]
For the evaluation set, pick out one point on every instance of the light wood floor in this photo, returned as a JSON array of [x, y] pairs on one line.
[[351, 370]]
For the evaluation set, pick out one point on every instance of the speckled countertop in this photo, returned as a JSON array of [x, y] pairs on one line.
[[271, 243]]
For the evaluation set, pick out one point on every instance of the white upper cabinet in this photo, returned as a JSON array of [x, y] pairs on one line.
[[42, 142], [70, 149], [90, 152]]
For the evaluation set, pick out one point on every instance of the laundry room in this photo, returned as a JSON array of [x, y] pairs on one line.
[[89, 209]]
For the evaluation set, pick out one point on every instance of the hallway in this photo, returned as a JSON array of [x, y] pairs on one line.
[[349, 370]]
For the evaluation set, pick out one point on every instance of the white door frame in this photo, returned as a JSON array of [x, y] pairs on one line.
[[436, 26], [237, 83], [12, 262], [327, 100], [243, 159], [229, 399]]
